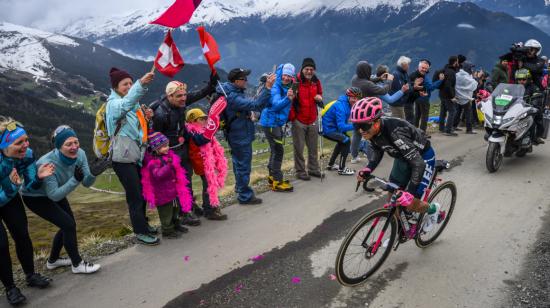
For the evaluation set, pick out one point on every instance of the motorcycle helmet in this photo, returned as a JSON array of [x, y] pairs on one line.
[[534, 44]]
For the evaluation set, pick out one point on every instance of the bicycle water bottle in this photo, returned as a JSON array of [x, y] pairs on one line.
[[404, 221]]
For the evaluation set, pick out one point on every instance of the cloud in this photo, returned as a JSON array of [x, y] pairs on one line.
[[465, 26], [53, 14]]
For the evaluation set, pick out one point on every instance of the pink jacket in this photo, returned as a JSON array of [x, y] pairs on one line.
[[215, 164], [163, 181]]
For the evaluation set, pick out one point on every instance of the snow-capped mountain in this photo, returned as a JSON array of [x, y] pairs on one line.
[[23, 49], [212, 12]]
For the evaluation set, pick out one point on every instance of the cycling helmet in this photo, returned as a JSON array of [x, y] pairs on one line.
[[354, 92], [522, 73], [367, 109], [534, 44]]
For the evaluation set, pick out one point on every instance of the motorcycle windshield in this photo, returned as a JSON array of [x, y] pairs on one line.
[[506, 95]]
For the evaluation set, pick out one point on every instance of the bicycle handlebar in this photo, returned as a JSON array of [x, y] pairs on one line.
[[387, 185]]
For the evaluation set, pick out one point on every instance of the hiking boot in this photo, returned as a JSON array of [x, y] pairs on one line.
[[270, 180], [171, 235], [38, 281], [282, 186], [152, 230], [60, 262], [86, 268], [317, 174], [216, 214], [198, 211], [15, 297], [303, 177], [147, 239], [180, 228], [451, 134], [346, 171], [190, 219], [251, 201]]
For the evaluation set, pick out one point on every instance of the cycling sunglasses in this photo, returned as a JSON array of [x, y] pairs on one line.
[[365, 126]]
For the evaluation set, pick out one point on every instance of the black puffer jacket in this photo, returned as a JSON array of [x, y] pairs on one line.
[[401, 140], [536, 67], [447, 89]]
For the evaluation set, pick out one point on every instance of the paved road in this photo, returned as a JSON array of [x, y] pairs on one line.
[[495, 222]]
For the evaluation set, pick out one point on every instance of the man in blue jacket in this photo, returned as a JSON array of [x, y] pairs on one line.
[[241, 130], [422, 93], [273, 118], [335, 126]]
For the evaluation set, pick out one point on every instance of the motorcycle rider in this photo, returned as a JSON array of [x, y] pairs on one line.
[[533, 62], [523, 77], [414, 158]]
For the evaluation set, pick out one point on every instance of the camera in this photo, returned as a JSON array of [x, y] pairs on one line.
[[519, 52]]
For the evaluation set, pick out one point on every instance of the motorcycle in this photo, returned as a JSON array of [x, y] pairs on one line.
[[508, 122]]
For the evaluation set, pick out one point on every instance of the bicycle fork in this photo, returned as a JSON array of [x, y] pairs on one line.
[[382, 232]]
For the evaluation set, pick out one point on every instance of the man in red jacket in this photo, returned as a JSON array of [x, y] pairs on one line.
[[303, 115]]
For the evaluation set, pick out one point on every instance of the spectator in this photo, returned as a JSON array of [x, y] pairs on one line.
[[465, 87], [17, 168], [500, 71], [403, 108], [362, 80], [336, 125], [169, 120], [303, 115], [163, 179], [273, 118], [241, 130], [447, 95], [423, 92], [208, 160], [127, 126], [50, 200]]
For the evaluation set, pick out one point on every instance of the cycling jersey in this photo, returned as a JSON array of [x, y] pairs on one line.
[[404, 142]]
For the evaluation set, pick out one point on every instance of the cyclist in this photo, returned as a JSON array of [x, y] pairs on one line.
[[414, 158]]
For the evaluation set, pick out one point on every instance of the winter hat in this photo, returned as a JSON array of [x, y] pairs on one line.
[[156, 141], [288, 69], [61, 134], [308, 62], [174, 86], [238, 73], [194, 114], [117, 76]]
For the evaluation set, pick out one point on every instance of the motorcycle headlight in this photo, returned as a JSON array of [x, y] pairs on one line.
[[522, 116], [497, 120], [507, 120]]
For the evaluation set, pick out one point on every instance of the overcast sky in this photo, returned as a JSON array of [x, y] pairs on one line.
[[49, 14]]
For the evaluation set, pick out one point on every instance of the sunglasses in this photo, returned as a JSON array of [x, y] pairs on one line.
[[365, 126], [244, 78]]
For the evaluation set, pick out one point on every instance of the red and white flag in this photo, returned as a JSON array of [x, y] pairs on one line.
[[209, 48], [169, 61], [177, 14]]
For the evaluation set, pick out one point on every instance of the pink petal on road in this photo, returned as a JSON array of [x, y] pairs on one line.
[[186, 258], [256, 258], [238, 288], [296, 280], [332, 277], [202, 302]]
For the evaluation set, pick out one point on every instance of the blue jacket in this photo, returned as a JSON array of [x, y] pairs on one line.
[[428, 85], [26, 168], [390, 99], [276, 112], [239, 107], [117, 105], [62, 182], [400, 78], [336, 119]]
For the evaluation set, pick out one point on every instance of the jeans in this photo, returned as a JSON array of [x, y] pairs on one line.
[[241, 155], [305, 135], [341, 148], [465, 110], [13, 215], [60, 214], [447, 115], [274, 136], [422, 112], [130, 178]]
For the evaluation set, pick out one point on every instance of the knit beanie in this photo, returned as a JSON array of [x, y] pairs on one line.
[[288, 69], [117, 76], [63, 135], [156, 141], [308, 62]]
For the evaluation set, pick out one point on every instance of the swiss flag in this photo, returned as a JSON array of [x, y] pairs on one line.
[[168, 61], [177, 14], [209, 48]]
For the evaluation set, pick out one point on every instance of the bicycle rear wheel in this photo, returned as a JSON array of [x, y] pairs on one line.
[[357, 257], [445, 195]]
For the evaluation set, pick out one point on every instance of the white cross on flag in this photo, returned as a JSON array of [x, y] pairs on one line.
[[168, 61]]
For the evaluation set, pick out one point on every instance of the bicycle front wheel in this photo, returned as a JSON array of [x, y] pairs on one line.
[[445, 195], [365, 247]]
